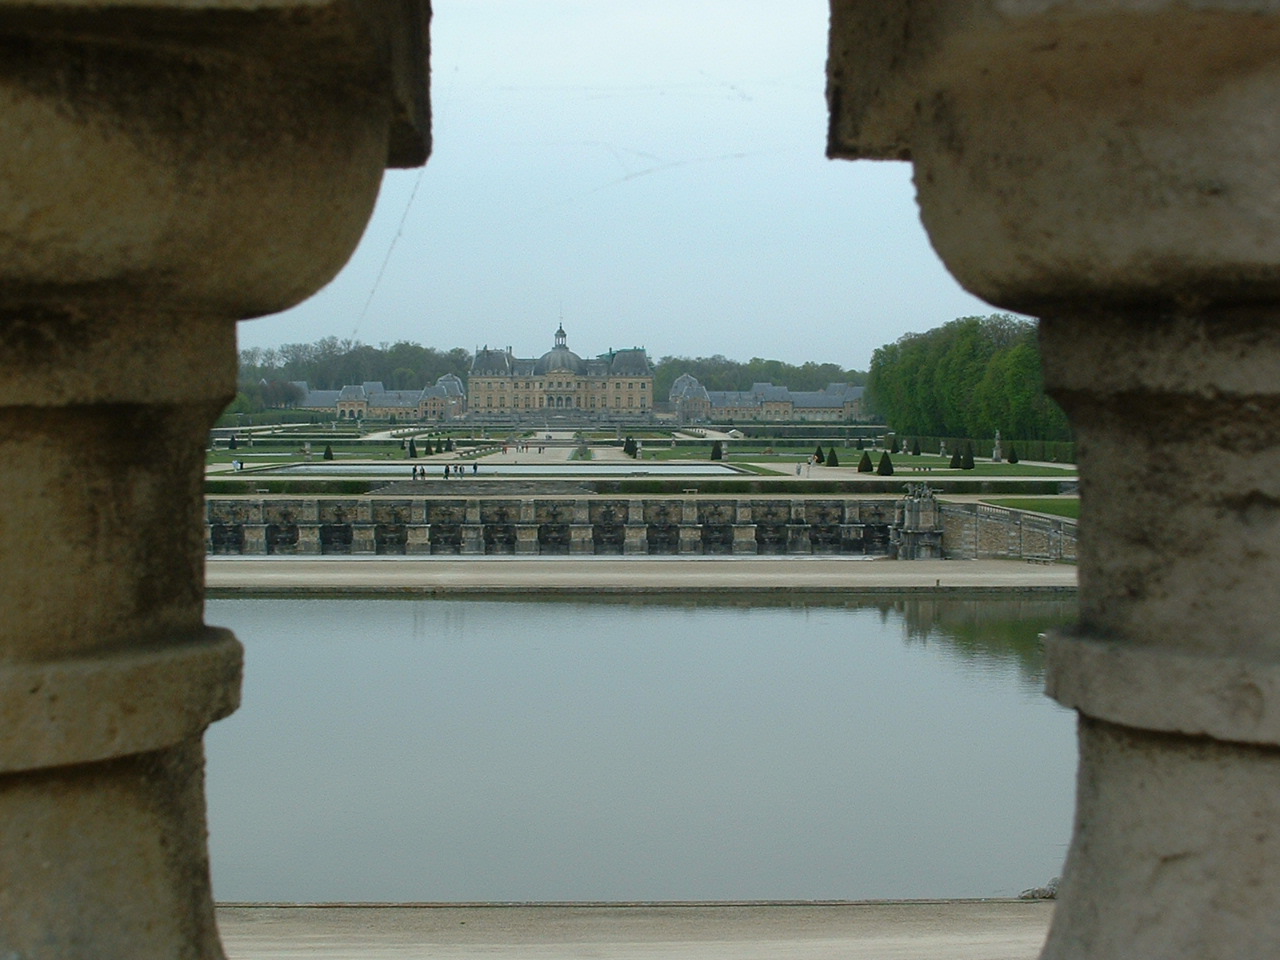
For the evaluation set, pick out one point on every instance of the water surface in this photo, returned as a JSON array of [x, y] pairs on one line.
[[433, 750]]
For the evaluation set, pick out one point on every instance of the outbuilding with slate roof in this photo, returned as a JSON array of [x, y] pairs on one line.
[[836, 402], [371, 400]]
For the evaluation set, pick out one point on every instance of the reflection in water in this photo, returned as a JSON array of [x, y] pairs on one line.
[[435, 750], [980, 630]]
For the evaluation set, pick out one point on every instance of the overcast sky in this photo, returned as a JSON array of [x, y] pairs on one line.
[[652, 172]]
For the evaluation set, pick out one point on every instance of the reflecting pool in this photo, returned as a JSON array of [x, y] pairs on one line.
[[437, 750]]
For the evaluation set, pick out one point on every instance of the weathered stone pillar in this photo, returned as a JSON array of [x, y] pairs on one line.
[[165, 169], [527, 539], [798, 530], [1112, 168], [255, 538]]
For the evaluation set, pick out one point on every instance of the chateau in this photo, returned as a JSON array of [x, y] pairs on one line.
[[619, 382]]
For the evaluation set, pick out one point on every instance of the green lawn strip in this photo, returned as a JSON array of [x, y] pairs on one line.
[[261, 454], [1068, 507], [904, 462]]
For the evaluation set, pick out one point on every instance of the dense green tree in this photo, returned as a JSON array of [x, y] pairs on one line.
[[864, 465], [330, 363], [885, 467], [969, 377]]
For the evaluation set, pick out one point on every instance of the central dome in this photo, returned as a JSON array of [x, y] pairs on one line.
[[559, 358]]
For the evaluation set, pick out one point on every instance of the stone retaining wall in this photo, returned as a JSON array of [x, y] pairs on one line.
[[547, 525], [559, 525], [976, 531]]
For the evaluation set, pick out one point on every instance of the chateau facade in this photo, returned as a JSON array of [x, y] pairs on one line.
[[619, 382]]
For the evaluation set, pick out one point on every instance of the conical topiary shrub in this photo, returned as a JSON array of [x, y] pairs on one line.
[[957, 461], [1013, 454], [413, 449], [967, 462], [885, 467], [865, 465], [818, 455], [915, 447], [832, 459], [328, 452]]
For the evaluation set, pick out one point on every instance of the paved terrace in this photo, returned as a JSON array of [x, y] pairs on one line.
[[725, 576], [945, 930]]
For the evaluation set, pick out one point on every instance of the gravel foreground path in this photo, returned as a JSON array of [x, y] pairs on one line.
[[599, 576], [943, 930]]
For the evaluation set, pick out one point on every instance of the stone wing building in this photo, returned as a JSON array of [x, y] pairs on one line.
[[371, 400], [836, 402], [616, 383]]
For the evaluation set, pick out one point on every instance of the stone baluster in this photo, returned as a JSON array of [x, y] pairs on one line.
[[1112, 169], [167, 169]]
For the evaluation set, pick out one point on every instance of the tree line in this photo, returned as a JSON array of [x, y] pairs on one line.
[[266, 374], [968, 378], [721, 373]]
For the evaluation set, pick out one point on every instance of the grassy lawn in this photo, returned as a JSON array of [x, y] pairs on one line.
[[1059, 507], [903, 462], [261, 454]]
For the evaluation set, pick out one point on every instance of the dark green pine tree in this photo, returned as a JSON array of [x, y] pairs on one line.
[[832, 459], [865, 465], [885, 467], [328, 452]]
